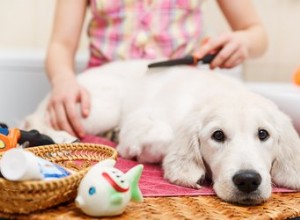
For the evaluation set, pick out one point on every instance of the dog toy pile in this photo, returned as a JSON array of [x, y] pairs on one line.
[[12, 137]]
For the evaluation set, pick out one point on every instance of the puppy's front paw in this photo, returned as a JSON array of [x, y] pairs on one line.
[[184, 173], [187, 179], [128, 151], [144, 138]]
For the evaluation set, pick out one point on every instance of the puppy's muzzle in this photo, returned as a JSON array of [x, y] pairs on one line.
[[247, 181]]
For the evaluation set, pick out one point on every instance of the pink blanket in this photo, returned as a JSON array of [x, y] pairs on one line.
[[152, 182]]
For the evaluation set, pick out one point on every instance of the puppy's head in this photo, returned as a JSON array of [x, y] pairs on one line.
[[246, 143]]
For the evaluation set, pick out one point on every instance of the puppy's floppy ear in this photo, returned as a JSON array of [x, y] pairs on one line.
[[286, 166], [183, 164]]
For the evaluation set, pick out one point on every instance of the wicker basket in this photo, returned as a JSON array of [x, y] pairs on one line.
[[29, 196]]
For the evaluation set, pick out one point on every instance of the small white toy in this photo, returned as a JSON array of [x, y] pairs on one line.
[[106, 191]]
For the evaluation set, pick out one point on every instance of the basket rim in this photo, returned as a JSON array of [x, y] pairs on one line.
[[74, 174]]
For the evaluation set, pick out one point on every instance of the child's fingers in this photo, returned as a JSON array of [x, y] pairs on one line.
[[212, 45], [233, 59], [216, 43], [85, 103], [64, 120], [225, 53], [73, 122]]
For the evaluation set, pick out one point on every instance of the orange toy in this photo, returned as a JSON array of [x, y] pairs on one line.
[[12, 137], [296, 77], [10, 140]]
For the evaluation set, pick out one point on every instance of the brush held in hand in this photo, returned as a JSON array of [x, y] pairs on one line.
[[187, 60]]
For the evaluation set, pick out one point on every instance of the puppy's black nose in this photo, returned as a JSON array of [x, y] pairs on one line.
[[247, 180]]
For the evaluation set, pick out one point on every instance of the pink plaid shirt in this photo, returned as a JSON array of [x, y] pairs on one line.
[[131, 29]]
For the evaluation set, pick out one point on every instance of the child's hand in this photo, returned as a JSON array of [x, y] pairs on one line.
[[62, 108], [231, 49]]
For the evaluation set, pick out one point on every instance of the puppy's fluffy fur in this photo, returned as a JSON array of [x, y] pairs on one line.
[[195, 122]]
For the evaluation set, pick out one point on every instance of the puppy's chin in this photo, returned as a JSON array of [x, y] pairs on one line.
[[246, 199], [233, 195]]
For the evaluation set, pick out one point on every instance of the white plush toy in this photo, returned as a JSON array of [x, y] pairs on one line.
[[106, 191]]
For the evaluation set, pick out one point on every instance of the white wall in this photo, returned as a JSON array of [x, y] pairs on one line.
[[27, 24], [23, 85], [281, 18]]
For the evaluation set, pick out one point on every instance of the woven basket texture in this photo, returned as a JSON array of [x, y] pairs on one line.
[[30, 196], [280, 206]]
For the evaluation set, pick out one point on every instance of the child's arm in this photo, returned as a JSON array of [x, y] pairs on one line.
[[66, 92]]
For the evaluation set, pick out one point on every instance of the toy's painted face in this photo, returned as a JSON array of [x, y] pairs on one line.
[[92, 196], [116, 179], [103, 191]]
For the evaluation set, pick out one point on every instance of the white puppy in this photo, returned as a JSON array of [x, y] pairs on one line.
[[197, 123]]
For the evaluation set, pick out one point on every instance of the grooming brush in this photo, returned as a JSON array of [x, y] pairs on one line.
[[187, 60]]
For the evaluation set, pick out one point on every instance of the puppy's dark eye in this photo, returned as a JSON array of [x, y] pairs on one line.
[[263, 134], [218, 136]]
